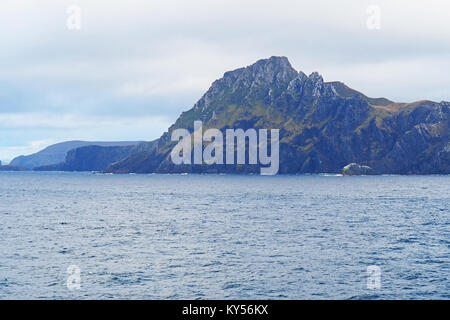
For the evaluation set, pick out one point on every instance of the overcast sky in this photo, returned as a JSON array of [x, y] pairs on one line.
[[135, 65]]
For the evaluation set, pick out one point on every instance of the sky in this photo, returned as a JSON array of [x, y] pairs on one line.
[[133, 66]]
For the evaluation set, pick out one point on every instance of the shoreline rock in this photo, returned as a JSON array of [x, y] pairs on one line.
[[354, 169]]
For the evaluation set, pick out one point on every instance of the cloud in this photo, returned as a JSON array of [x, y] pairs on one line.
[[68, 121]]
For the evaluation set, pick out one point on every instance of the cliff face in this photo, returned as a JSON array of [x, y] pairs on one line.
[[323, 126], [56, 153], [89, 158], [95, 158]]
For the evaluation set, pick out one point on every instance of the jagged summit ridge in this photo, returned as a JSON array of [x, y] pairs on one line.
[[267, 79], [260, 76], [273, 78]]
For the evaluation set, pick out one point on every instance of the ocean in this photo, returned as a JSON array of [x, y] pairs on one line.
[[94, 236]]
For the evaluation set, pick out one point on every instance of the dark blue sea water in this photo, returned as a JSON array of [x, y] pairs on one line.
[[223, 236]]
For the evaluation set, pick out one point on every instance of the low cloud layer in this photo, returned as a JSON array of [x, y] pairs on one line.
[[135, 65]]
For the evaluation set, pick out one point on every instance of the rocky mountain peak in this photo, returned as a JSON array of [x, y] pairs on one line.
[[316, 77], [266, 78], [264, 71], [324, 126]]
